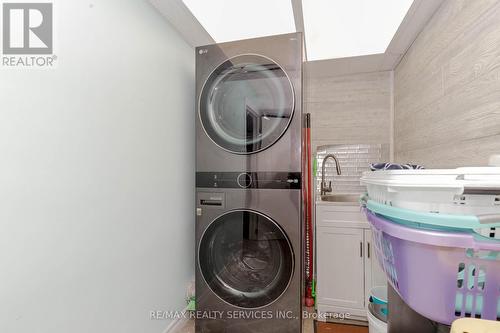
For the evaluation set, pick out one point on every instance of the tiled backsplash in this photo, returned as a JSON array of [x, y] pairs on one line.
[[354, 160]]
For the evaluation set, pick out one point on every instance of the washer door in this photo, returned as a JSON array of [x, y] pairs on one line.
[[246, 104], [246, 259]]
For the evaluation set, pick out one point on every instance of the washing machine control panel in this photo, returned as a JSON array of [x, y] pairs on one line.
[[244, 180], [249, 180]]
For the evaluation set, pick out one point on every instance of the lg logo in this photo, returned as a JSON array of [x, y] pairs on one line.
[[27, 28]]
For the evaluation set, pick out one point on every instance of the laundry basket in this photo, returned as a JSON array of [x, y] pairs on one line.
[[462, 191], [443, 275], [487, 225]]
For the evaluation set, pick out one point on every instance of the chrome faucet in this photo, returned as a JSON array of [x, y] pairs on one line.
[[328, 189]]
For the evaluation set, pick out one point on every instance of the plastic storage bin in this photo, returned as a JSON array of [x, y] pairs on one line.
[[462, 191], [475, 326], [443, 275]]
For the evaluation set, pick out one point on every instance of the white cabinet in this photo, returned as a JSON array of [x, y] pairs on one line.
[[374, 275], [346, 267], [341, 267]]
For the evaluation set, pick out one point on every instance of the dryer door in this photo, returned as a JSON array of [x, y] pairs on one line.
[[246, 259], [246, 104]]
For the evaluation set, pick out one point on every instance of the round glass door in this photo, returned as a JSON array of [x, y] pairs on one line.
[[246, 259], [246, 104]]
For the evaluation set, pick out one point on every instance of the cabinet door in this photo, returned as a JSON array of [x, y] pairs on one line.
[[374, 275], [340, 280]]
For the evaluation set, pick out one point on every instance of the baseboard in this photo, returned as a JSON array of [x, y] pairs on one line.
[[177, 323]]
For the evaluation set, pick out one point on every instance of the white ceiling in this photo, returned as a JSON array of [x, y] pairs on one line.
[[340, 29], [359, 47], [229, 21]]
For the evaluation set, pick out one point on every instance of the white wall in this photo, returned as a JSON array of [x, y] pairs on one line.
[[97, 175]]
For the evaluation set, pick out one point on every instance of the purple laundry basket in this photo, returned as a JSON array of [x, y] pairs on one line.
[[441, 275]]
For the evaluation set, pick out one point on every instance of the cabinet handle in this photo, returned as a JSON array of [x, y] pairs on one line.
[[361, 249], [368, 248]]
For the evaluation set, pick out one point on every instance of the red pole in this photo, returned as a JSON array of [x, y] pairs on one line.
[[309, 222]]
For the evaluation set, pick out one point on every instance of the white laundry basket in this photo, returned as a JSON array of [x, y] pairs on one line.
[[469, 191], [376, 325]]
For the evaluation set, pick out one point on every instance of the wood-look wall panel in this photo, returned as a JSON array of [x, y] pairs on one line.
[[473, 152], [354, 88], [417, 96], [432, 47], [467, 113], [447, 88], [350, 109], [474, 59]]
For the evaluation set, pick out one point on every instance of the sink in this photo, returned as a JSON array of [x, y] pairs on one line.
[[340, 198]]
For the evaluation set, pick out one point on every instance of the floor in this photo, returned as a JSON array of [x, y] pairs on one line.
[[307, 328], [338, 328]]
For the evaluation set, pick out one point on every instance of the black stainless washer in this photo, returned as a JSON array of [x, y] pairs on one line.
[[246, 259]]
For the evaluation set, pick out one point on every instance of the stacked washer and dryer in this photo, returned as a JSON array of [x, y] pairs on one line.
[[248, 186]]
